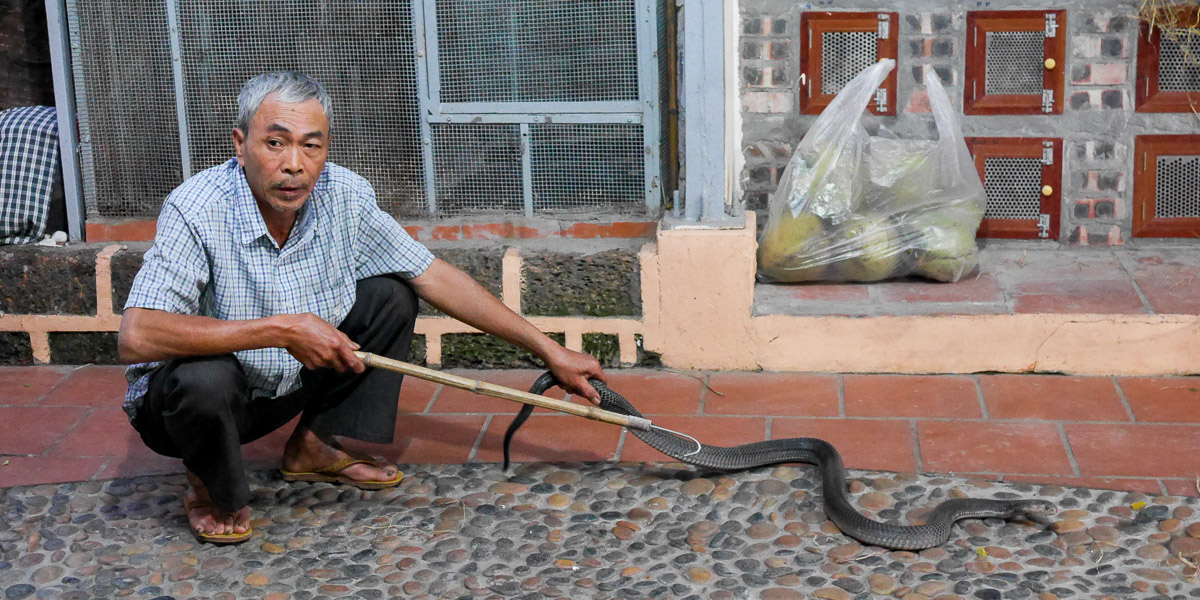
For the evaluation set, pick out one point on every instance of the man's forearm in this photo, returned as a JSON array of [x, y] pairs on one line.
[[151, 335], [455, 293]]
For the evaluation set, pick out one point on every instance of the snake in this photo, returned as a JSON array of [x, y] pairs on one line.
[[935, 531]]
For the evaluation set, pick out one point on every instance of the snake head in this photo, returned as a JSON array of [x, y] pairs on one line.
[[1037, 510]]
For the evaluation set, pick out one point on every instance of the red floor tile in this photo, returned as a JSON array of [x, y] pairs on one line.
[[864, 444], [103, 432], [1077, 296], [26, 385], [415, 395], [90, 386], [32, 429], [454, 400], [429, 439], [941, 396], [658, 392], [1136, 450], [780, 394], [269, 448], [1149, 486], [983, 288], [1163, 399], [1182, 487], [551, 438], [1172, 297], [1052, 397], [980, 447], [715, 431], [36, 470], [842, 292]]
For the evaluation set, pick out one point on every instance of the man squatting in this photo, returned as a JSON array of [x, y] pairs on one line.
[[267, 273]]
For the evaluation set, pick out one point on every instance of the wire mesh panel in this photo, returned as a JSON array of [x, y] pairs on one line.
[[1013, 187], [129, 135], [843, 55], [1014, 62], [588, 167], [1177, 188], [1179, 62], [361, 51], [537, 50], [477, 168]]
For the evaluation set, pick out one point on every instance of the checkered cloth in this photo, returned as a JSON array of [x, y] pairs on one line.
[[28, 162]]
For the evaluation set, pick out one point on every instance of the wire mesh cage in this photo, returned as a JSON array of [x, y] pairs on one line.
[[1179, 62], [1013, 187], [535, 50], [1177, 187], [361, 52], [128, 132], [588, 167], [1014, 62], [477, 168]]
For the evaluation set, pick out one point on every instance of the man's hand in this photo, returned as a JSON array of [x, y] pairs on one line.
[[318, 344], [573, 369]]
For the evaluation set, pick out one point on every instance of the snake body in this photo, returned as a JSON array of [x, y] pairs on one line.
[[935, 532]]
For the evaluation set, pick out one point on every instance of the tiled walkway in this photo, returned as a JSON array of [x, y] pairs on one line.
[[63, 424]]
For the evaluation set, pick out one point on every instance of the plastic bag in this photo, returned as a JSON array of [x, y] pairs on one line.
[[854, 207]]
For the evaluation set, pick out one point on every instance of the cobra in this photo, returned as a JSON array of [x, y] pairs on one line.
[[934, 532]]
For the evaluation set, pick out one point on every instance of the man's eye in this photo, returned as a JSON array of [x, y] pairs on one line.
[[274, 143]]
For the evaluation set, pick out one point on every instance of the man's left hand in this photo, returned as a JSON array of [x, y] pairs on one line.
[[573, 369]]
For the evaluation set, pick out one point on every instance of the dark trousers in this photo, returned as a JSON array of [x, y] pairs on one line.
[[199, 408]]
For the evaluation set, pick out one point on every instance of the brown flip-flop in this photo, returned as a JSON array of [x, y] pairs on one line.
[[213, 538], [334, 473]]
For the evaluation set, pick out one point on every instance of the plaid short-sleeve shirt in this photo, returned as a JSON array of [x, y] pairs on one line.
[[212, 256]]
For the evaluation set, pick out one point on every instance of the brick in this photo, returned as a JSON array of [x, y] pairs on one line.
[[101, 386], [1112, 46], [454, 400], [717, 431], [429, 439], [41, 280], [948, 446], [752, 76], [37, 470], [1079, 100], [1163, 399], [984, 288], [767, 102], [1085, 46], [15, 348], [551, 438], [605, 347], [911, 396], [1105, 209], [941, 23], [863, 443], [918, 102], [780, 50], [23, 386], [779, 394], [1052, 398], [51, 422], [751, 50], [124, 267], [658, 392], [1135, 450], [1108, 74], [818, 292], [1084, 209], [942, 48], [752, 26], [1096, 296], [1171, 296], [84, 347], [1182, 487], [103, 432], [1112, 99], [601, 284]]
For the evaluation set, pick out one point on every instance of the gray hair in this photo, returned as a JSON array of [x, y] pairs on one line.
[[290, 87]]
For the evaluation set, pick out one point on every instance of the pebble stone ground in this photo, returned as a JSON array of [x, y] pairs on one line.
[[596, 530]]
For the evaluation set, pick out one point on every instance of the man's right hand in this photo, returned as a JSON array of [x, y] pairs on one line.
[[317, 344]]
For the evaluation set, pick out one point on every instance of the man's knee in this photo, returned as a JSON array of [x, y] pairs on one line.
[[204, 385], [388, 297]]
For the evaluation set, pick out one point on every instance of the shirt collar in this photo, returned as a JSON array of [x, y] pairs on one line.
[[250, 221]]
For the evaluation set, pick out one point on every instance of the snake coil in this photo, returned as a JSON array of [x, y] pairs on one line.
[[935, 532]]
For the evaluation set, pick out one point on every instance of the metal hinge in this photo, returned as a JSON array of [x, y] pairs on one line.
[[881, 100], [885, 21], [1047, 100], [1043, 225], [1047, 153], [1051, 25]]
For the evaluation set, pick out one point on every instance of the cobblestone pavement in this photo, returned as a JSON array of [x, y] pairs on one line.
[[596, 530]]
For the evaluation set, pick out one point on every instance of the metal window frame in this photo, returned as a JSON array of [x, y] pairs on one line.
[[64, 102], [1049, 151], [644, 111], [1146, 150]]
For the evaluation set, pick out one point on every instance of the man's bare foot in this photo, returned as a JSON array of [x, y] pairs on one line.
[[306, 451], [206, 519]]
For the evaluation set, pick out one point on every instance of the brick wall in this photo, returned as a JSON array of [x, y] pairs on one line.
[[25, 76], [1098, 124]]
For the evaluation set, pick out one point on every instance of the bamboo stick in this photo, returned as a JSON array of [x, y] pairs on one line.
[[499, 391]]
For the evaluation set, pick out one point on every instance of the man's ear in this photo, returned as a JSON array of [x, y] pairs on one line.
[[239, 145]]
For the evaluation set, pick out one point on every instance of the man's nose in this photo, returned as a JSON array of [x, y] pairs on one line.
[[291, 161]]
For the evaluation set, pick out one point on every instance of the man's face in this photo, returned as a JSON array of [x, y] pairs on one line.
[[284, 152]]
